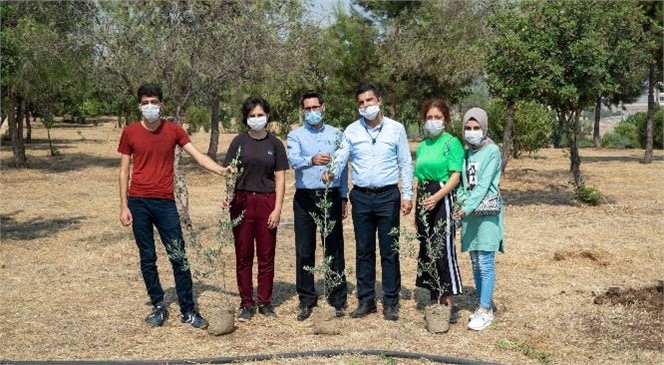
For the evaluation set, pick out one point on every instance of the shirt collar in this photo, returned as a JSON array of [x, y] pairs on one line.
[[314, 130], [366, 126]]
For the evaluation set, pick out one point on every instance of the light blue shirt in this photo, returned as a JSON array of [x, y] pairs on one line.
[[378, 155], [306, 142]]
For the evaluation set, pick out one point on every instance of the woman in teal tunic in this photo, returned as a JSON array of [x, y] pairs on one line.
[[481, 235], [437, 170]]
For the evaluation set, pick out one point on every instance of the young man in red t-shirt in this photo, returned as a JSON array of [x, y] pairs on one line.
[[148, 201]]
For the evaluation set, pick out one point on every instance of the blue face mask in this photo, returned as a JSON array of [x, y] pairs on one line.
[[313, 118]]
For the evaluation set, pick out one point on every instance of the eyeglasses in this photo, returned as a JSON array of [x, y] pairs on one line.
[[153, 102], [313, 108]]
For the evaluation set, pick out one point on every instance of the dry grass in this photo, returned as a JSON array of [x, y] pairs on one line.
[[72, 289]]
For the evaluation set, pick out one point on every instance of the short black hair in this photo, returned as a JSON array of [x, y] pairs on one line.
[[251, 103], [149, 90], [367, 87], [309, 94]]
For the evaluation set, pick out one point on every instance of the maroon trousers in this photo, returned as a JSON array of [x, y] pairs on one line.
[[253, 227]]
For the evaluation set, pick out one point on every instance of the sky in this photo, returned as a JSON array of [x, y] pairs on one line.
[[323, 10]]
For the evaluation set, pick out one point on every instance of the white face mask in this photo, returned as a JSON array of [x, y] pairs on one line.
[[370, 112], [473, 137], [435, 127], [150, 112], [257, 123]]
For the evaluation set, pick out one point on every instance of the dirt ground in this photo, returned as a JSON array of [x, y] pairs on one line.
[[72, 288]]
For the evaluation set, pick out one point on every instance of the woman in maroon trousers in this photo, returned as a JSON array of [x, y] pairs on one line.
[[259, 193]]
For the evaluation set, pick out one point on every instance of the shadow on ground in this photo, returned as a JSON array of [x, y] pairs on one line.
[[537, 197], [637, 159], [281, 293], [66, 162], [13, 229]]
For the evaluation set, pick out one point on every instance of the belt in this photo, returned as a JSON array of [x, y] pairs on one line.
[[318, 192], [247, 192], [375, 190]]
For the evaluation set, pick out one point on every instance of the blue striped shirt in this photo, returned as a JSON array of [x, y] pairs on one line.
[[379, 156], [306, 142]]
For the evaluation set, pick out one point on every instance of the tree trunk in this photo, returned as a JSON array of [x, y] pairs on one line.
[[51, 152], [49, 118], [181, 192], [575, 159], [393, 101], [16, 133], [507, 135], [558, 131], [214, 125], [598, 115], [127, 116], [28, 127], [647, 157]]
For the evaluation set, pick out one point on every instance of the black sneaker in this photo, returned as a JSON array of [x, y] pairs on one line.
[[195, 319], [364, 309], [266, 310], [246, 313], [303, 313], [158, 316]]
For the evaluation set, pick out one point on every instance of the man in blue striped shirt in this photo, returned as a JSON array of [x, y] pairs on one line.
[[310, 148], [378, 149]]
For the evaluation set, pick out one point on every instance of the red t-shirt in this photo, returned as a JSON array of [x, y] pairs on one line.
[[153, 154]]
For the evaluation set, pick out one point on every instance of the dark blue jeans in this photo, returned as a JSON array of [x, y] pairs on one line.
[[371, 212], [161, 213]]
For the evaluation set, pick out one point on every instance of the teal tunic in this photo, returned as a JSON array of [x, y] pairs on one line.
[[481, 233]]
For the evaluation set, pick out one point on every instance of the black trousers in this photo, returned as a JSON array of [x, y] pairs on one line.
[[304, 205], [376, 212], [447, 278]]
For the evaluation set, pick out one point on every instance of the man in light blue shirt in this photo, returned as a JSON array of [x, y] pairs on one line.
[[378, 149], [310, 148]]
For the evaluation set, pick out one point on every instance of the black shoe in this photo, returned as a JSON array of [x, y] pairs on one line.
[[363, 309], [246, 313], [195, 319], [391, 312], [158, 316], [266, 310], [339, 311], [304, 313], [454, 314]]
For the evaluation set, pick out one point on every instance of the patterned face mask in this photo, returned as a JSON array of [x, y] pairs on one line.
[[150, 112]]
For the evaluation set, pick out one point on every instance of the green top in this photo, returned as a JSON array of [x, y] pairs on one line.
[[483, 233], [438, 158]]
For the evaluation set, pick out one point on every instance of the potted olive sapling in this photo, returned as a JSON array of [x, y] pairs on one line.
[[212, 258], [324, 317], [434, 238]]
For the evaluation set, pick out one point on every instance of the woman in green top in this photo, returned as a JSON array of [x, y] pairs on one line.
[[481, 235], [437, 171]]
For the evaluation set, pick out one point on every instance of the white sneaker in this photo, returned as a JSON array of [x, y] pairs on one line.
[[481, 320], [473, 315]]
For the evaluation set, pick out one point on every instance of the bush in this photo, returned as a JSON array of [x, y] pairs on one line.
[[533, 125], [625, 135], [586, 194], [615, 140], [88, 109], [640, 121]]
